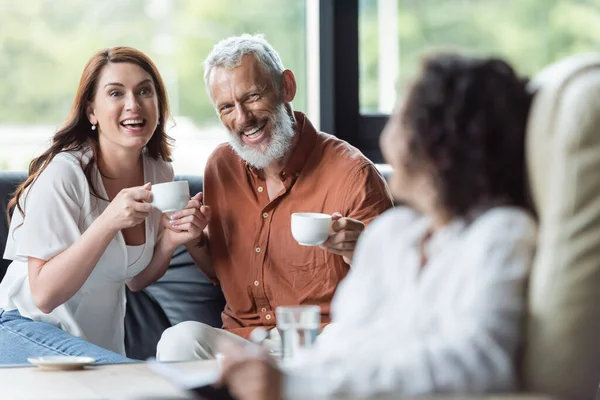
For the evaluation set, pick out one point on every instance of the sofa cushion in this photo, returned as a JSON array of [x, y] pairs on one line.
[[145, 321], [562, 353], [185, 293]]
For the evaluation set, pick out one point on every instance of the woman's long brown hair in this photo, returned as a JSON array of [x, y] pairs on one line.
[[76, 132]]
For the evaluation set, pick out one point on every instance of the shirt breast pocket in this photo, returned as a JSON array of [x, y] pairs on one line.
[[308, 272], [288, 255], [306, 259]]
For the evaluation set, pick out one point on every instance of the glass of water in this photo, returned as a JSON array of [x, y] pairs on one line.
[[298, 327]]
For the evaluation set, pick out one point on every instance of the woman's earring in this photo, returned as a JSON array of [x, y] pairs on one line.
[[93, 127]]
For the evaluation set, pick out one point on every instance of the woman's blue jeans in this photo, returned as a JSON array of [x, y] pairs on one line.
[[21, 338]]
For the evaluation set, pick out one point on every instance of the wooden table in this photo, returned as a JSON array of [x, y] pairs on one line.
[[125, 382]]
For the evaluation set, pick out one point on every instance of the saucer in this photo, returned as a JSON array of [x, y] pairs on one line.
[[64, 363]]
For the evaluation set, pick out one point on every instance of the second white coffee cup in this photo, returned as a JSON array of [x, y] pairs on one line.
[[311, 229], [170, 196]]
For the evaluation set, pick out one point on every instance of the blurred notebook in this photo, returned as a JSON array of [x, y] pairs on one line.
[[200, 382]]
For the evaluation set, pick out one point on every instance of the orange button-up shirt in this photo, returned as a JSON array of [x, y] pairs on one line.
[[254, 257]]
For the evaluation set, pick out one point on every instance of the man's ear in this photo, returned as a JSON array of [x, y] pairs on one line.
[[89, 111], [289, 86]]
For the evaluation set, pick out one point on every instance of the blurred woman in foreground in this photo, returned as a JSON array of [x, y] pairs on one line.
[[435, 299]]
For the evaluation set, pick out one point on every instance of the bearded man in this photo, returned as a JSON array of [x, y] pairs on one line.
[[276, 163]]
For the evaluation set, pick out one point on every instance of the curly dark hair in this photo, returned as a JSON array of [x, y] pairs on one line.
[[467, 119]]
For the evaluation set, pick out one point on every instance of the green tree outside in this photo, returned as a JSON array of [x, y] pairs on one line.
[[529, 33], [44, 45]]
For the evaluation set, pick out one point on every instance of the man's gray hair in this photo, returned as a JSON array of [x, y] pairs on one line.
[[228, 53]]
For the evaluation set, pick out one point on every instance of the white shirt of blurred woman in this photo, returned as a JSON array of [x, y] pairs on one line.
[[454, 325]]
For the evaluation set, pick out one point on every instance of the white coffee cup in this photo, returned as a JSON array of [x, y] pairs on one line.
[[170, 196], [311, 229]]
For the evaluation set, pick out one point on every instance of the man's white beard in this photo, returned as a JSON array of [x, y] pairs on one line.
[[262, 156]]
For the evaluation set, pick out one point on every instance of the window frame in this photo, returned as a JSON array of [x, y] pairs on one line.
[[339, 79]]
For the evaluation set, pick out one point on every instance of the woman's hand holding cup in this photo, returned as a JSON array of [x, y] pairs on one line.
[[129, 208], [188, 224]]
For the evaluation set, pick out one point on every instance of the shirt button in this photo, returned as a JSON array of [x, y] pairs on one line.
[[265, 215], [260, 189], [268, 317], [256, 283], [263, 310], [297, 174], [257, 249]]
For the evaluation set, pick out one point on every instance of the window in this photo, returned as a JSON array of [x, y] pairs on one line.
[[393, 34], [44, 45]]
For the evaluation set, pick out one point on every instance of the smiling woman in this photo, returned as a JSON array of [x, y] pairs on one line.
[[126, 111], [105, 70], [84, 212], [142, 92]]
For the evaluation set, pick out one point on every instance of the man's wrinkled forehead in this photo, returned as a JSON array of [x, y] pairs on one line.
[[250, 74], [249, 67]]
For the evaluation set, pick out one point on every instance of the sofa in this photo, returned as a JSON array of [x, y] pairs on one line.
[[182, 294], [562, 353]]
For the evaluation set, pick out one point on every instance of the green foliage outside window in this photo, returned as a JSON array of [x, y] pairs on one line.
[[529, 33], [44, 45]]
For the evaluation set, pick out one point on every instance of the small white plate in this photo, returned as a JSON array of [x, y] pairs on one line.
[[64, 363]]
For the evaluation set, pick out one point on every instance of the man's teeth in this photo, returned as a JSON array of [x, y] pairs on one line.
[[132, 121], [254, 132]]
